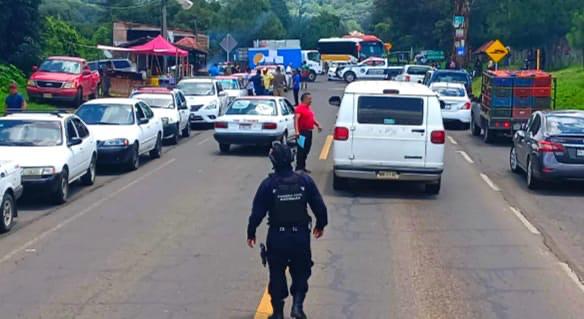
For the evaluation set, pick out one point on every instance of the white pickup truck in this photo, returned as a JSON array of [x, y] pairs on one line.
[[10, 191]]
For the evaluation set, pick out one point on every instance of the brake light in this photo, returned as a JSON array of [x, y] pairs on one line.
[[220, 124], [269, 126], [507, 124], [467, 106], [549, 147], [438, 137], [341, 133]]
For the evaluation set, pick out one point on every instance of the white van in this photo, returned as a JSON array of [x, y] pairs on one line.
[[388, 130]]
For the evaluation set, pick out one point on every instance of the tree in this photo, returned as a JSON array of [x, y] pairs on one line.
[[19, 26], [280, 9], [60, 38], [576, 35]]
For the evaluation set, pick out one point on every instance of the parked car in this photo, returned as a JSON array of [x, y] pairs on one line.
[[63, 79], [171, 107], [413, 73], [125, 129], [53, 149], [10, 192], [371, 68], [206, 99], [255, 121], [450, 76], [388, 130], [334, 67], [113, 64], [550, 147], [233, 86], [454, 102], [392, 72]]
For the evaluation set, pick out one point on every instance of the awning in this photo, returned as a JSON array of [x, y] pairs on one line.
[[159, 46]]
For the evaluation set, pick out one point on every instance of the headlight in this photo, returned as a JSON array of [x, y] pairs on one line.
[[211, 106], [38, 171], [31, 83], [116, 142], [70, 85], [165, 120]]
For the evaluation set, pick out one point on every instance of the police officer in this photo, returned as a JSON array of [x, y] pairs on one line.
[[284, 196]]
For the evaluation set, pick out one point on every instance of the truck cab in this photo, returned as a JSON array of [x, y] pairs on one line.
[[312, 59]]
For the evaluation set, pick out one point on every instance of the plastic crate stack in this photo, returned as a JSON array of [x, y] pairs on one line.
[[516, 94]]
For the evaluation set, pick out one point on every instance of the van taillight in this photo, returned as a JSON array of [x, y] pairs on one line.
[[438, 137], [341, 133], [467, 106], [269, 126], [220, 124]]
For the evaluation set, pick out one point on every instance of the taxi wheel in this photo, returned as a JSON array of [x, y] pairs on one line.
[[186, 132], [7, 208], [62, 193], [157, 151], [89, 178], [134, 161], [224, 148]]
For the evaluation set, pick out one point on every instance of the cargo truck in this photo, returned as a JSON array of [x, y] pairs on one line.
[[285, 57], [507, 100]]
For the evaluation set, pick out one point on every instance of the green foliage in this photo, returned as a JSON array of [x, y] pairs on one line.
[[570, 88], [60, 38], [19, 25], [8, 75], [576, 35]]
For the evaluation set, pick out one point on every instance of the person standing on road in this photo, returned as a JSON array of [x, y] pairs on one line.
[[296, 80], [279, 83], [258, 83], [268, 79], [14, 101], [249, 83], [305, 122], [284, 197], [305, 72]]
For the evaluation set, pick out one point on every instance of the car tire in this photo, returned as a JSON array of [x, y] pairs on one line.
[[312, 76], [134, 161], [157, 151], [513, 161], [61, 195], [531, 179], [224, 148], [475, 130], [8, 212], [349, 77], [175, 137], [340, 183], [488, 136], [433, 188], [78, 98], [89, 178], [186, 132]]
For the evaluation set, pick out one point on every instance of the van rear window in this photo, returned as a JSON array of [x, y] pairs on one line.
[[389, 110]]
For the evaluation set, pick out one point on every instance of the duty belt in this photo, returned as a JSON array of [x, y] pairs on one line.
[[292, 228]]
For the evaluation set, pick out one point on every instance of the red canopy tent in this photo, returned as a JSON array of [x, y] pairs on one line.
[[159, 46]]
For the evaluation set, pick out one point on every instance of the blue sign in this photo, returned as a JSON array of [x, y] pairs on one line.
[[460, 51], [458, 21]]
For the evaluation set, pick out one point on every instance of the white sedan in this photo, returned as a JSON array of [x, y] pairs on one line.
[[454, 101], [255, 121], [53, 149], [125, 129]]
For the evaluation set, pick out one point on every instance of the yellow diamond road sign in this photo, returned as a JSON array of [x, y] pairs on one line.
[[496, 51]]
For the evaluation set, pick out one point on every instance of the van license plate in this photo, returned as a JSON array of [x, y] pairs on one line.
[[245, 126], [580, 153], [47, 96], [516, 126], [387, 175]]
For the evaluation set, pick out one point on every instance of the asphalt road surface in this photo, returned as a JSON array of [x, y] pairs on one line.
[[168, 241]]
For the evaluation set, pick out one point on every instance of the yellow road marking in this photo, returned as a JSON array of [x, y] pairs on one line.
[[326, 148], [265, 307]]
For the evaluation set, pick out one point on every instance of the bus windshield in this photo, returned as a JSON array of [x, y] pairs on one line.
[[340, 47], [371, 49]]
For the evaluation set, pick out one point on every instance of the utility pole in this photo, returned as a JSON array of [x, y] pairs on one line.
[[462, 9], [164, 32]]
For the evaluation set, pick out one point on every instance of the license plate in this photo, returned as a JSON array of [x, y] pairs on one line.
[[387, 175], [580, 153], [47, 96], [516, 126], [245, 126]]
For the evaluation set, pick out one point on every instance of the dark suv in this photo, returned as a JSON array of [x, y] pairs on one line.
[[450, 76]]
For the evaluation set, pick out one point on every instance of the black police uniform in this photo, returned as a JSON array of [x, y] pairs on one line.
[[284, 195]]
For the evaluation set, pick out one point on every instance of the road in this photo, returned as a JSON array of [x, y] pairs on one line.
[[168, 241]]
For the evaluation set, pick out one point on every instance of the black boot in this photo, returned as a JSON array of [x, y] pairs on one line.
[[278, 307], [297, 307]]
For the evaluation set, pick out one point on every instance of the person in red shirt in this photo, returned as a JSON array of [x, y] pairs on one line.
[[305, 122]]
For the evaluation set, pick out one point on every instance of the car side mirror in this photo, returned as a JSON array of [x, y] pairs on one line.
[[442, 104], [335, 101], [75, 141], [143, 121]]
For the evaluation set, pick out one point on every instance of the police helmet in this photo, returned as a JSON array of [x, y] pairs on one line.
[[281, 154]]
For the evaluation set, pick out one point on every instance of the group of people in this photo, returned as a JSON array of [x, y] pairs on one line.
[[264, 82]]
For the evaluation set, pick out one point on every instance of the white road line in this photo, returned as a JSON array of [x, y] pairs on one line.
[[203, 141], [83, 212], [524, 221], [452, 140], [572, 275], [489, 182], [466, 156]]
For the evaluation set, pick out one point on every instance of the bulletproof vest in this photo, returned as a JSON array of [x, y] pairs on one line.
[[289, 207]]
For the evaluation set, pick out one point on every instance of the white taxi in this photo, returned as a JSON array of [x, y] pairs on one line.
[[10, 191], [255, 121], [454, 102]]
